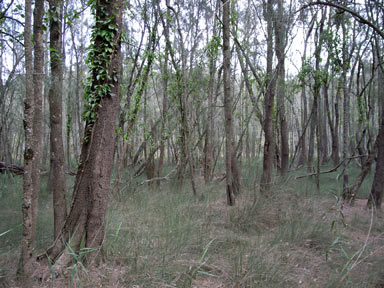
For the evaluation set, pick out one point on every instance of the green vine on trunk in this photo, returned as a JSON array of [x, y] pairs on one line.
[[100, 52]]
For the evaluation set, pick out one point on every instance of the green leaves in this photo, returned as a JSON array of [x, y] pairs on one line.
[[100, 82]]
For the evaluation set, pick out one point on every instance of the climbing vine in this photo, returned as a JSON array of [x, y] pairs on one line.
[[105, 34]]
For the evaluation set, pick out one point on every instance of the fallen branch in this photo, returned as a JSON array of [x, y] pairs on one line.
[[166, 178], [332, 169], [12, 168]]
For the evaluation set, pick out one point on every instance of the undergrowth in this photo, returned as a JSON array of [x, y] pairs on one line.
[[295, 236]]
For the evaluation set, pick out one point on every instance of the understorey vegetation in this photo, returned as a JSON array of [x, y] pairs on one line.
[[163, 143]]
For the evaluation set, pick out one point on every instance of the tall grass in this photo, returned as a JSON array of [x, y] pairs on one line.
[[164, 237]]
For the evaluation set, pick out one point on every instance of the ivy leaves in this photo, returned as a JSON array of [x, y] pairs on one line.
[[101, 80]]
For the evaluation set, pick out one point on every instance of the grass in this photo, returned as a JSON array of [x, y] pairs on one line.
[[163, 237]]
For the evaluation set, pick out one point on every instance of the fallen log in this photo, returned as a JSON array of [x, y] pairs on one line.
[[11, 168]]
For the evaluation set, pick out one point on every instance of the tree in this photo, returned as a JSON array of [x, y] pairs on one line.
[[85, 223], [208, 147], [28, 233], [57, 163], [230, 153], [269, 142], [280, 36], [32, 130], [376, 194]]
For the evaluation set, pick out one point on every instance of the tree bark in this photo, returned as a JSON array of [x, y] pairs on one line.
[[27, 207], [266, 180], [38, 14], [346, 112], [57, 163], [208, 149], [85, 222], [280, 36], [376, 195], [229, 140], [333, 125]]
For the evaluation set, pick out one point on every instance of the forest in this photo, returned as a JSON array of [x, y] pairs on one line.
[[173, 143]]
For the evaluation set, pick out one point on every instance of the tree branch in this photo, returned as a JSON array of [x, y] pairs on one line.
[[355, 14]]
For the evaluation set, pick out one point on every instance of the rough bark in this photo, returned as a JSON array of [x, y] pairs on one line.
[[85, 222], [57, 159], [28, 232]]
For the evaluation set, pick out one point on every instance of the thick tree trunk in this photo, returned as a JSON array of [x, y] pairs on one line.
[[57, 171], [85, 223]]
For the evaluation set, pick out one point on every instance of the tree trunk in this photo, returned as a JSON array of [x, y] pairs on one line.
[[269, 145], [164, 117], [57, 171], [32, 128], [231, 188], [27, 208], [85, 223], [280, 36], [208, 149], [364, 171], [376, 195], [346, 113], [333, 126], [38, 14]]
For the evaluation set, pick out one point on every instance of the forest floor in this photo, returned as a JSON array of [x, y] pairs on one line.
[[297, 236]]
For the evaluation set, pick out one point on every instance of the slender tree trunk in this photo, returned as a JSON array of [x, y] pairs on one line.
[[208, 155], [57, 171], [163, 116], [38, 14], [32, 128], [332, 126], [280, 36], [323, 132], [269, 145], [346, 113], [27, 243], [228, 104], [303, 158]]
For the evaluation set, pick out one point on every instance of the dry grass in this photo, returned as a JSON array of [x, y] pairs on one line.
[[295, 237]]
